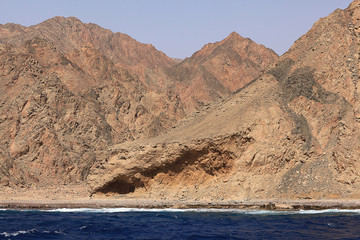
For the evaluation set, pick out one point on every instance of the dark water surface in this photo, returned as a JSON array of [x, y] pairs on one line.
[[170, 224]]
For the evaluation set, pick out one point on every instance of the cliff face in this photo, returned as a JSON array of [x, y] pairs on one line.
[[69, 91], [291, 133]]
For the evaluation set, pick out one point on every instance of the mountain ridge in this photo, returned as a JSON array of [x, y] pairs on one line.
[[219, 69], [290, 134], [70, 91]]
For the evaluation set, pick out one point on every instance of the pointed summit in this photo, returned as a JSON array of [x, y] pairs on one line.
[[234, 36]]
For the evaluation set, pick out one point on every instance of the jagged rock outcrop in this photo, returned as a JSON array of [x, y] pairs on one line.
[[291, 133]]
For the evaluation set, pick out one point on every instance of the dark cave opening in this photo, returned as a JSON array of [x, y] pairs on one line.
[[119, 187]]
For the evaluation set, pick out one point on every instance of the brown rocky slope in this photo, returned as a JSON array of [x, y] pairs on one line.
[[218, 70], [292, 133], [58, 111]]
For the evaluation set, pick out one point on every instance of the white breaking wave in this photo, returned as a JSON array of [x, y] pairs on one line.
[[21, 232], [120, 210], [195, 210], [202, 210], [357, 211], [14, 234], [176, 210]]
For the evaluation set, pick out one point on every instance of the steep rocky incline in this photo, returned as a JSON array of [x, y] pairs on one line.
[[59, 112], [292, 133]]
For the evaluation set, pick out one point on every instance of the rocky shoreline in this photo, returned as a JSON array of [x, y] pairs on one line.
[[274, 205]]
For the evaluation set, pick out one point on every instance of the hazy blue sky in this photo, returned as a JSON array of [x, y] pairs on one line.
[[181, 27]]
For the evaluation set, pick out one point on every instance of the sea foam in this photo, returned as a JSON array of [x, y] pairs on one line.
[[202, 210], [176, 210], [14, 234], [195, 210]]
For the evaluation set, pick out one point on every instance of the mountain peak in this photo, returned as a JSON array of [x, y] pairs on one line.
[[64, 19], [74, 34], [234, 35], [220, 68]]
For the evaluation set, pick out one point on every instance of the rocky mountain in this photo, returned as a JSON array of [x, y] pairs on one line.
[[69, 91], [292, 133], [52, 126], [63, 102], [219, 69], [69, 34]]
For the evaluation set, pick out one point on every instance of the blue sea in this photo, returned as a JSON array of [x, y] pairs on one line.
[[124, 223]]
